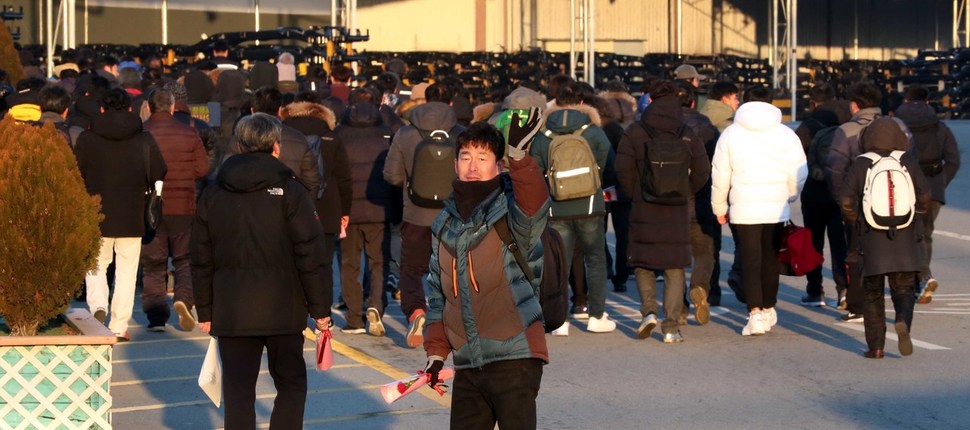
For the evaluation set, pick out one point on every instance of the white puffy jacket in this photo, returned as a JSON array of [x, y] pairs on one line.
[[759, 167]]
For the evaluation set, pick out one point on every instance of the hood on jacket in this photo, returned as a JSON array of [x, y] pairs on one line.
[[565, 119], [362, 115], [198, 86], [826, 117], [319, 111], [243, 173], [664, 114], [116, 125], [917, 114], [483, 112], [433, 116], [757, 116], [883, 134], [624, 103], [263, 74], [523, 98]]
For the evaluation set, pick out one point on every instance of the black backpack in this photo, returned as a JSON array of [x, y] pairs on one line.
[[553, 290], [315, 142], [818, 152], [433, 170], [929, 147], [665, 179]]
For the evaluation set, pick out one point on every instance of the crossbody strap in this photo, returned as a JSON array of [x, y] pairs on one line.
[[502, 228]]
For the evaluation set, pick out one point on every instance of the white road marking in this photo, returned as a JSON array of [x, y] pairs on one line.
[[272, 395], [951, 234], [892, 336]]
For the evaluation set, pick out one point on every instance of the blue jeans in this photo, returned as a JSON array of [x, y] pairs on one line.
[[589, 234]]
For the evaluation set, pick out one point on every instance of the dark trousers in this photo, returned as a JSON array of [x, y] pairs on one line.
[[901, 285], [504, 392], [577, 277], [240, 369], [713, 229], [414, 266], [759, 244], [620, 211], [821, 217], [329, 249], [734, 274], [171, 240], [855, 294], [373, 239]]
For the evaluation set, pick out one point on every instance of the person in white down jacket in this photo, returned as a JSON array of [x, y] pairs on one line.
[[757, 171]]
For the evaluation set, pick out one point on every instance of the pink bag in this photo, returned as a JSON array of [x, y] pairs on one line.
[[324, 350]]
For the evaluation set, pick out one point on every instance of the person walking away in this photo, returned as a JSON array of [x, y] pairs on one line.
[[758, 170], [939, 160], [257, 264], [660, 228], [182, 150], [113, 163], [895, 253], [482, 308]]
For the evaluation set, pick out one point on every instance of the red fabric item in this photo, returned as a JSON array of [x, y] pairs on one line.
[[324, 350], [797, 254]]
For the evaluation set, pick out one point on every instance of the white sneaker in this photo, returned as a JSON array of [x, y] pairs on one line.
[[562, 330], [375, 326], [755, 326], [647, 325], [601, 324], [770, 318]]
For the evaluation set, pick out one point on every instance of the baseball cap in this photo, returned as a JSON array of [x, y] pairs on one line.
[[686, 71]]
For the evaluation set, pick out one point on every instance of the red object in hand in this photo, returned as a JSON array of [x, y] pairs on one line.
[[324, 350]]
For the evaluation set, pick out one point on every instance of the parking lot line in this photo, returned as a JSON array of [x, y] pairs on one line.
[[360, 416], [194, 377], [258, 397], [893, 337]]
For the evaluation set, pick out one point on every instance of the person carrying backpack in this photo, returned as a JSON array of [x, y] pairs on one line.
[[820, 211], [660, 224], [482, 308], [572, 152], [939, 160], [890, 251], [864, 105]]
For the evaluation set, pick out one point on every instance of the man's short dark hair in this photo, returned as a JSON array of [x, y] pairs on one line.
[[722, 89], [116, 99], [571, 94], [663, 88], [105, 60], [32, 83], [160, 101], [267, 99], [397, 66], [685, 92], [556, 84], [758, 93], [366, 95], [437, 92], [220, 46], [481, 135], [821, 93], [308, 96], [387, 82], [341, 73], [258, 132], [865, 95], [615, 85], [54, 98], [917, 94]]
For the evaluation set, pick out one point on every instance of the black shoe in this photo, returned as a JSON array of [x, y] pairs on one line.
[[580, 312], [619, 287], [851, 317], [340, 306], [100, 315], [813, 301]]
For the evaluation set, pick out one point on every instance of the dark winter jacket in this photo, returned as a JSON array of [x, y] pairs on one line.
[[883, 252], [707, 133], [185, 157], [199, 87], [112, 162], [400, 159], [659, 234], [257, 251], [845, 146], [565, 120], [367, 142], [480, 303], [920, 116], [314, 119]]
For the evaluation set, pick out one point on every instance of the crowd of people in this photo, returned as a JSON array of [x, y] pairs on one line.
[[410, 188]]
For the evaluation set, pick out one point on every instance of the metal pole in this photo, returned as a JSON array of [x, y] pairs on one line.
[[333, 13], [164, 22], [956, 24], [773, 55], [62, 22], [572, 38], [793, 24], [855, 37], [50, 37], [86, 22], [584, 25], [680, 27], [256, 4], [40, 22], [72, 23], [592, 43], [966, 24]]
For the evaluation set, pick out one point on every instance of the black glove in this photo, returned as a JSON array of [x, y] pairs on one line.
[[520, 136], [434, 366]]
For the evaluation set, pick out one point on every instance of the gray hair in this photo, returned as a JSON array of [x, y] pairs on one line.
[[160, 101], [258, 132]]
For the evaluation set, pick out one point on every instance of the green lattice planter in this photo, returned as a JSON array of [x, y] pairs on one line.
[[57, 382]]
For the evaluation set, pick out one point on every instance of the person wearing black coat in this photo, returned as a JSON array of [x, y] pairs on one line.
[[897, 255], [117, 160], [257, 263], [368, 141]]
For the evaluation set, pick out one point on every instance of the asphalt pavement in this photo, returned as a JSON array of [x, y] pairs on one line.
[[807, 373]]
